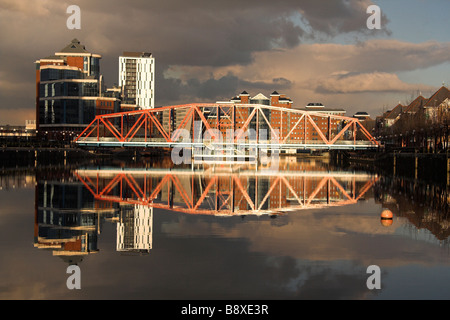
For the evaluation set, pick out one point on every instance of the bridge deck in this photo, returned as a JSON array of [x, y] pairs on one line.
[[310, 145]]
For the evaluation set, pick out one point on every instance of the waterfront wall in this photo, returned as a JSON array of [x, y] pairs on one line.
[[18, 157], [422, 166]]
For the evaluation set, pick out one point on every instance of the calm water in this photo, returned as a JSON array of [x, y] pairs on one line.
[[147, 231]]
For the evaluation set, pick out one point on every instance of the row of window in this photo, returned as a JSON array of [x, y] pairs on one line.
[[106, 103], [69, 89], [66, 111], [63, 196], [49, 74]]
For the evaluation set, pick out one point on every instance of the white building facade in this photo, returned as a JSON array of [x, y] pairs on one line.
[[137, 79], [134, 229]]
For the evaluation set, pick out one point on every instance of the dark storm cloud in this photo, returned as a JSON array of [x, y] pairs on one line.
[[220, 33], [335, 17], [202, 33], [173, 90]]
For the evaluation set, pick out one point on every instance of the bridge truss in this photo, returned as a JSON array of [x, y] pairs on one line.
[[202, 125]]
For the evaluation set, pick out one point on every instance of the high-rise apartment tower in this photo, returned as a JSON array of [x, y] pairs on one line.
[[137, 79]]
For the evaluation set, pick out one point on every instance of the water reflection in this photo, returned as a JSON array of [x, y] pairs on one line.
[[287, 233], [226, 191], [424, 205], [69, 218], [70, 210]]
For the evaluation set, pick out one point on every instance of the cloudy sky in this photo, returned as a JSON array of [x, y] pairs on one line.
[[313, 51]]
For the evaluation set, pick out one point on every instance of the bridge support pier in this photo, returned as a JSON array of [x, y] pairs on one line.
[[394, 163], [416, 165], [448, 169], [338, 156]]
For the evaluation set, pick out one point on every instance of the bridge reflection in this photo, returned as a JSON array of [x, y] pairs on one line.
[[72, 207], [224, 190], [70, 210]]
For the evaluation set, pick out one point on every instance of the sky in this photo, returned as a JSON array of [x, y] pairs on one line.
[[208, 51]]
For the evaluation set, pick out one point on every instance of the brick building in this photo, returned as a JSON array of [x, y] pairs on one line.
[[283, 122]]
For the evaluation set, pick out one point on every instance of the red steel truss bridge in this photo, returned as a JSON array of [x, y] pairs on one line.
[[199, 125], [224, 192]]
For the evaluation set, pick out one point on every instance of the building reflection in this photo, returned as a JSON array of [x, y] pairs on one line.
[[134, 229], [18, 180], [424, 205], [70, 210], [68, 221]]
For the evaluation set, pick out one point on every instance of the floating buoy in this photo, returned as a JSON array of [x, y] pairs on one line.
[[386, 214], [386, 218]]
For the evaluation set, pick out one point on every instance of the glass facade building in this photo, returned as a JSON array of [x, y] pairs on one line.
[[68, 85]]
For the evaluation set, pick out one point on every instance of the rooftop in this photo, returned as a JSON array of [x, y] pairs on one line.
[[137, 54], [438, 97], [74, 47], [260, 96], [416, 104], [323, 109], [394, 113], [315, 105]]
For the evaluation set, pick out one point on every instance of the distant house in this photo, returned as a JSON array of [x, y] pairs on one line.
[[416, 105], [431, 107], [391, 116], [402, 124]]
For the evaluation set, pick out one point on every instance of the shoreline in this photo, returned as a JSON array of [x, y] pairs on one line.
[[434, 166], [420, 166]]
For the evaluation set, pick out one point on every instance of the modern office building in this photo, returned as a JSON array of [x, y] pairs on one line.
[[137, 79], [69, 89]]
